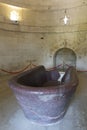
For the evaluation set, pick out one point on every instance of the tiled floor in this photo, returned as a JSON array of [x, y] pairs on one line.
[[12, 117]]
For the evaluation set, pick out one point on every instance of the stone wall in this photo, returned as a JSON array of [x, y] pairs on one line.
[[39, 34]]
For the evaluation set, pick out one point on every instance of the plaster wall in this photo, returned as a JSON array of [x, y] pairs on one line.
[[39, 34]]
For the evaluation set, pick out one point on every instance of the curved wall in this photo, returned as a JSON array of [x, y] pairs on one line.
[[39, 34]]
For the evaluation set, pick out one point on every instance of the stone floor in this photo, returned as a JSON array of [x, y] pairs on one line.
[[12, 117]]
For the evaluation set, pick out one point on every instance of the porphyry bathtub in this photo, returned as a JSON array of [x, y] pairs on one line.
[[41, 96]]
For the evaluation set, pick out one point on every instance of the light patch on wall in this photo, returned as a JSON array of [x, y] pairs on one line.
[[12, 13], [14, 16]]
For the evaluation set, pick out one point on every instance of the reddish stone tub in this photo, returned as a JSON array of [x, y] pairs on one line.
[[42, 97]]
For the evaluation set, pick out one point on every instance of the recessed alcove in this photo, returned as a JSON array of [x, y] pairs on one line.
[[64, 57]]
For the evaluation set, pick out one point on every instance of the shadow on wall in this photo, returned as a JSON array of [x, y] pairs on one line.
[[64, 57]]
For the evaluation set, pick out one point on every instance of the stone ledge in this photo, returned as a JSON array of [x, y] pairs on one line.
[[18, 27]]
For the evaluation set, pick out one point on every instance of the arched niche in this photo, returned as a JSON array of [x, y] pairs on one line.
[[64, 57]]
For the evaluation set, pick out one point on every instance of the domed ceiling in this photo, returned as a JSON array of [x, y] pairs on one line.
[[43, 4]]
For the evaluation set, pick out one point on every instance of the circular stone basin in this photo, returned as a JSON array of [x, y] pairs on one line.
[[41, 96]]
